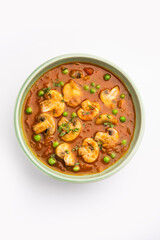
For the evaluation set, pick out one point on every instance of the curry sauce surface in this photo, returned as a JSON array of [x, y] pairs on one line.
[[44, 148]]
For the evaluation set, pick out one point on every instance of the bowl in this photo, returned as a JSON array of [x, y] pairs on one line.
[[139, 127]]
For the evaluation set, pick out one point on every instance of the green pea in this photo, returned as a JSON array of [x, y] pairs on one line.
[[61, 83], [122, 119], [106, 159], [37, 137], [65, 114], [73, 115], [86, 87], [93, 84], [92, 90], [115, 111], [55, 144], [124, 142], [98, 86], [29, 110], [76, 168], [40, 93], [51, 161], [113, 155], [65, 70], [122, 96], [107, 77]]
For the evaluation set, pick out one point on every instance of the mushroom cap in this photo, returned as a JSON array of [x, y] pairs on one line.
[[89, 150], [108, 138], [88, 110], [54, 95], [53, 103], [45, 122], [104, 118], [72, 93], [108, 97], [63, 152], [57, 108], [76, 73], [74, 127]]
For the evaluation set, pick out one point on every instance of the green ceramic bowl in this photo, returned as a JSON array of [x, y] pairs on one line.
[[93, 60]]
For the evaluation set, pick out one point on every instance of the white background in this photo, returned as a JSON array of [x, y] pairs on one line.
[[33, 205]]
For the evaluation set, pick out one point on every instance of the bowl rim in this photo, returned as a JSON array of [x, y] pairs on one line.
[[63, 176]]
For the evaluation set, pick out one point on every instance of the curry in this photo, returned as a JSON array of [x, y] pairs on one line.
[[78, 118]]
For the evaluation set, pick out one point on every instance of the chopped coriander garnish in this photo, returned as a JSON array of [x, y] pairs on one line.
[[59, 84], [108, 124], [62, 134], [91, 147], [90, 107], [53, 155], [75, 149], [62, 100], [68, 130], [85, 113], [75, 130], [109, 116], [46, 89], [100, 145], [56, 84], [100, 116], [67, 151], [73, 115], [60, 128]]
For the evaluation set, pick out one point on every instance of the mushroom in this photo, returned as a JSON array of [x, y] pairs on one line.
[[108, 138], [69, 130], [63, 152], [105, 118], [72, 94], [76, 74], [89, 110], [108, 97], [45, 124], [89, 150], [50, 105], [54, 95], [54, 102]]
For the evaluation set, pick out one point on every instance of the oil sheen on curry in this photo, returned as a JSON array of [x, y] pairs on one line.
[[78, 118]]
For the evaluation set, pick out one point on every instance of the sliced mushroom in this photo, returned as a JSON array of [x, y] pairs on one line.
[[72, 94], [104, 118], [89, 110], [89, 71], [108, 97], [54, 95], [63, 151], [89, 150], [45, 123], [108, 138], [69, 130], [76, 74], [54, 102], [57, 108]]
